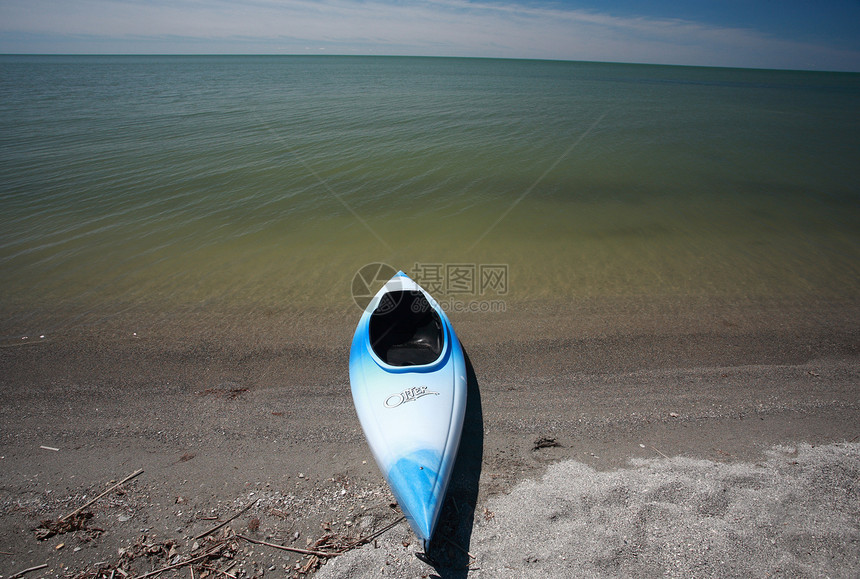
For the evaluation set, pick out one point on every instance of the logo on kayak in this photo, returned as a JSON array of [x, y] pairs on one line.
[[408, 395]]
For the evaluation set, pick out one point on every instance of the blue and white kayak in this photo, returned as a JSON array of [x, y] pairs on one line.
[[408, 378]]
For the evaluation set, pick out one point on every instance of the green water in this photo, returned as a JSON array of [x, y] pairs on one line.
[[167, 184]]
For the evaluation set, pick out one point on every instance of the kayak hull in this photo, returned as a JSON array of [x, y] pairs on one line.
[[410, 397]]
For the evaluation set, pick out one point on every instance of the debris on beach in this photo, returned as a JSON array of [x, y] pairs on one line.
[[23, 572], [77, 519], [76, 522], [545, 442], [232, 544], [219, 555], [230, 391]]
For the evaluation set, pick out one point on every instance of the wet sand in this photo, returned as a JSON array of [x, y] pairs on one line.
[[649, 412]]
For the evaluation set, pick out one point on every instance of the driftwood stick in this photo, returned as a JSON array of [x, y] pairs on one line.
[[120, 483], [216, 527], [658, 452], [456, 546], [364, 540], [21, 573], [286, 548]]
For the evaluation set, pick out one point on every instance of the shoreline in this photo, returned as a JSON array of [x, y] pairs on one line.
[[219, 417]]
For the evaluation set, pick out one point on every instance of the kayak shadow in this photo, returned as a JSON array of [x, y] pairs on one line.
[[449, 550]]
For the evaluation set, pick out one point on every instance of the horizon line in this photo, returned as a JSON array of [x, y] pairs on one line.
[[427, 56]]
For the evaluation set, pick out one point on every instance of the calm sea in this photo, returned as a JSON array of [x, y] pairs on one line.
[[172, 184]]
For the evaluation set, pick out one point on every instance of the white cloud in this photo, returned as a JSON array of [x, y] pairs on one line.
[[443, 27]]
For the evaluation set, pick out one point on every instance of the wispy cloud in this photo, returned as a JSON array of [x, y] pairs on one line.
[[442, 27]]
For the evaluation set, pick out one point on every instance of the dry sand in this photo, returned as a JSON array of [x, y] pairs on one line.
[[693, 439], [792, 514]]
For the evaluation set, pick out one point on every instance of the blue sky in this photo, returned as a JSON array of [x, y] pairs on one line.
[[796, 34]]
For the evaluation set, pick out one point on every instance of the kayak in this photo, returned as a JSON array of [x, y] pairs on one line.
[[408, 378]]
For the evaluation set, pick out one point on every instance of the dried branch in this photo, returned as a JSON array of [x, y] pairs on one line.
[[120, 483], [286, 548], [365, 540], [21, 573], [215, 528], [338, 549], [658, 452], [456, 546]]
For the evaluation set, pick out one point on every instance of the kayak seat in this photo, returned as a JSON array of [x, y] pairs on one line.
[[405, 330]]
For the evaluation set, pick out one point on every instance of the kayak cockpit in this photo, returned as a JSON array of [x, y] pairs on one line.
[[405, 330]]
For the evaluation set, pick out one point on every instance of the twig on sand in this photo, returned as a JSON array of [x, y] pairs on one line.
[[286, 548], [327, 554], [216, 527], [21, 573], [365, 540], [456, 546], [120, 483], [658, 452]]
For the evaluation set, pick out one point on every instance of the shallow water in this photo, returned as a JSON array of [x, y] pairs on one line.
[[176, 183]]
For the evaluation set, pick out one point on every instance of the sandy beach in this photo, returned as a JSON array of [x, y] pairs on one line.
[[653, 271], [695, 438]]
